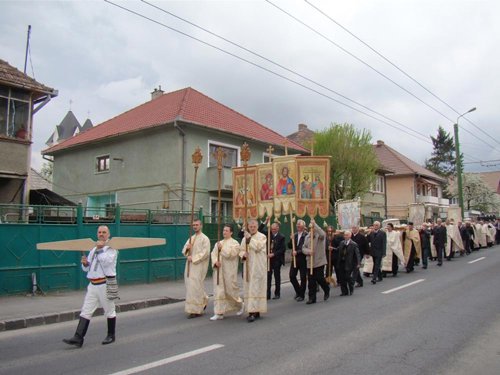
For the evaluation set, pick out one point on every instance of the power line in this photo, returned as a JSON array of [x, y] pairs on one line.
[[364, 63], [396, 66], [261, 67], [425, 139], [281, 66]]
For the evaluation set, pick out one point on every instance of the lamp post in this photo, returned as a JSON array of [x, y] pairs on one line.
[[458, 162]]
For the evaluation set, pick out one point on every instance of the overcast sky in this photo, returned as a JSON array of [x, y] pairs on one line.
[[106, 61]]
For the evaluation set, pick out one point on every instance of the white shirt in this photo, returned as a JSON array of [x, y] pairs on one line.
[[101, 265]]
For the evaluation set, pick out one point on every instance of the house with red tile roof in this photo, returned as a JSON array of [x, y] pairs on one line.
[[142, 157], [20, 98], [410, 183]]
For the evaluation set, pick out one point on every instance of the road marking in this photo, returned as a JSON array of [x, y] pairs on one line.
[[403, 286], [168, 360], [476, 260]]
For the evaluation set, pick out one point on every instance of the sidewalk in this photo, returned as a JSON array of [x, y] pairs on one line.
[[18, 312]]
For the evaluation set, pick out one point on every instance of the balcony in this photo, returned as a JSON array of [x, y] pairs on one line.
[[428, 199], [226, 179]]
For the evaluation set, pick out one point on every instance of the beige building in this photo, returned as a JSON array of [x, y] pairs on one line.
[[410, 183]]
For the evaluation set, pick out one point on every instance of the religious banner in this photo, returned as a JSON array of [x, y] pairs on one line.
[[313, 195], [285, 188], [455, 214], [265, 187], [239, 192], [348, 213], [416, 214]]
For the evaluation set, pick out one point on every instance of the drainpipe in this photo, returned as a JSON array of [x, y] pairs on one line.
[[183, 161]]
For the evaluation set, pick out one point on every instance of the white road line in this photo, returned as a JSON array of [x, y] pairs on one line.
[[168, 360], [403, 286], [476, 260]]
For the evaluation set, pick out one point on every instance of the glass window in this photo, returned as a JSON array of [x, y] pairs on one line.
[[231, 159], [102, 163], [378, 186]]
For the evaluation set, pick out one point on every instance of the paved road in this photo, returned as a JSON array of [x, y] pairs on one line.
[[449, 323]]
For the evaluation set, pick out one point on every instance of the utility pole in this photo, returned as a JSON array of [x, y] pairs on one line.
[[27, 48], [458, 163]]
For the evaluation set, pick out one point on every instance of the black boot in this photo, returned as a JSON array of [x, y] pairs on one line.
[[111, 331], [81, 331]]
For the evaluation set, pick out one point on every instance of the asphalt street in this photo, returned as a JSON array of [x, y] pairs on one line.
[[443, 320]]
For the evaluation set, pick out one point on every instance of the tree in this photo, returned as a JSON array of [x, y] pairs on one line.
[[47, 170], [477, 195], [353, 163], [442, 161]]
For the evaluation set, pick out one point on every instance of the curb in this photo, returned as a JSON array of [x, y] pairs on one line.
[[65, 316]]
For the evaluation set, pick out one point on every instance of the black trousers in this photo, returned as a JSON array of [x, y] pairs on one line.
[[300, 289], [317, 277], [440, 252], [276, 270], [411, 259], [395, 264], [377, 265], [426, 253], [346, 281], [356, 276]]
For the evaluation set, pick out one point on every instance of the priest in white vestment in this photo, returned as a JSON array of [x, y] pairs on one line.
[[254, 256], [225, 271], [197, 252]]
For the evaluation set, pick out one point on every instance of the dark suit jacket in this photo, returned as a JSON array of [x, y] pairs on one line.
[[378, 242], [348, 256], [277, 246], [299, 244], [362, 242], [439, 236]]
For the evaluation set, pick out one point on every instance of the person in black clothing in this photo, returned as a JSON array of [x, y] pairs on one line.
[[378, 242], [276, 257], [440, 234], [425, 242], [363, 250], [348, 261], [465, 235], [300, 258]]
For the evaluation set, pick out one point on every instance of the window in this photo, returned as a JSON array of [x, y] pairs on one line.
[[102, 164], [14, 113], [232, 155], [378, 185], [267, 157]]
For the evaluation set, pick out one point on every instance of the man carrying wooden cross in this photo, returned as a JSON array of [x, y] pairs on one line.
[[100, 265]]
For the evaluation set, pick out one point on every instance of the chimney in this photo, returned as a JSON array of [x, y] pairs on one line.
[[156, 93], [302, 127], [380, 143]]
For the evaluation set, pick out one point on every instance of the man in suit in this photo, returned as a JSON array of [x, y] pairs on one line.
[[300, 258], [363, 249], [378, 242], [347, 263], [276, 257], [440, 239]]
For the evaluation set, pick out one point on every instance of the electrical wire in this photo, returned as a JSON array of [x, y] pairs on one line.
[[396, 66], [281, 66], [262, 67], [365, 63]]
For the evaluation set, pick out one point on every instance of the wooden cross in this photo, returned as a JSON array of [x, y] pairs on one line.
[[285, 143], [220, 155], [270, 150]]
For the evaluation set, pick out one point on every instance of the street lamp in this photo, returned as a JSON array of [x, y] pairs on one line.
[[458, 162]]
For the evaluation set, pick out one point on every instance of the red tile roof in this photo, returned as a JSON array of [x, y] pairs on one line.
[[400, 164], [187, 105], [13, 77]]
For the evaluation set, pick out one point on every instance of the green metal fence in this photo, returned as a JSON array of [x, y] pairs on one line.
[[22, 227]]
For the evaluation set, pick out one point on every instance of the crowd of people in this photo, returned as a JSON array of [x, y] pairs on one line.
[[320, 259]]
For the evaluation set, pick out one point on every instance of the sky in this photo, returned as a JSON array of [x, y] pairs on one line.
[[104, 61]]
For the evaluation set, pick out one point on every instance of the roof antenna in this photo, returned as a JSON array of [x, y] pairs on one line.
[[27, 48]]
